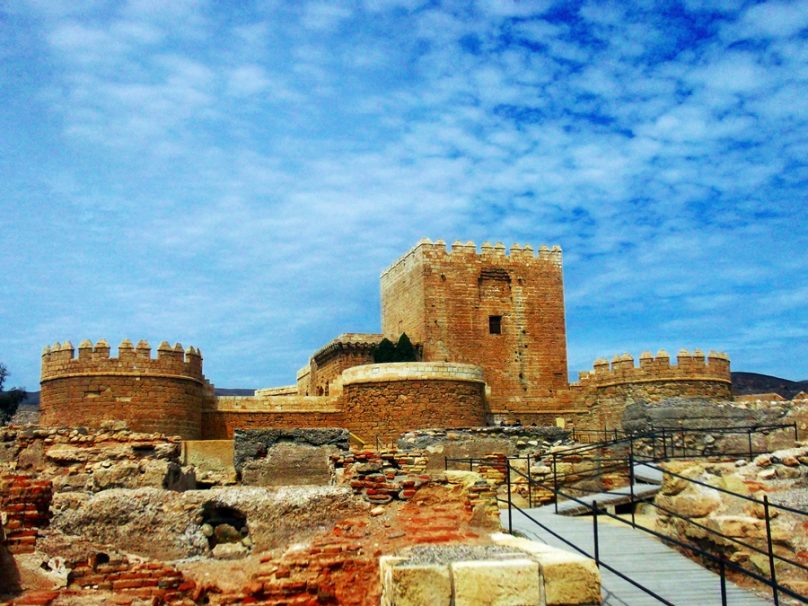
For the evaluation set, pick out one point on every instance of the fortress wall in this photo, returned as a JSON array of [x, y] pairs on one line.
[[328, 372], [164, 394], [260, 412], [381, 401], [448, 300], [221, 424], [608, 389], [323, 375], [377, 401]]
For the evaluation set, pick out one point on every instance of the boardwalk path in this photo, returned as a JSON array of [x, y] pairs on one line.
[[640, 556]]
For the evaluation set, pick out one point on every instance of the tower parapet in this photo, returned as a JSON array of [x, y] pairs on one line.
[[518, 254], [62, 360], [690, 366], [86, 386]]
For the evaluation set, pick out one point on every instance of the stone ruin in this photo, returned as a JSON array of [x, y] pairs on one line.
[[115, 516]]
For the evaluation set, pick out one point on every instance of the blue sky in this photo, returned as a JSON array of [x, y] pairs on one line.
[[235, 175]]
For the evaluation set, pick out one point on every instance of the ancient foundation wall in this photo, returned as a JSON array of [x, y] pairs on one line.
[[163, 395]]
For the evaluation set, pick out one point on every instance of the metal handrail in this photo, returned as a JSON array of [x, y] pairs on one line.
[[722, 562], [654, 432], [628, 442], [596, 557]]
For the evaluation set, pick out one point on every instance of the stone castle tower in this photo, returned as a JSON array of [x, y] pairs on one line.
[[502, 312]]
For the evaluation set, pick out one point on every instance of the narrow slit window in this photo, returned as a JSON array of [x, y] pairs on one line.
[[495, 325]]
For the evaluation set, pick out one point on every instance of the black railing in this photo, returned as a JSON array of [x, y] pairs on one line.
[[670, 442], [662, 446], [719, 560]]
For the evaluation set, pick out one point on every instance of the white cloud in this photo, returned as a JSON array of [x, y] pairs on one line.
[[779, 19], [325, 15]]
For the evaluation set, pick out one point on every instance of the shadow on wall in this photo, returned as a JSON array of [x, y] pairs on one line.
[[9, 575]]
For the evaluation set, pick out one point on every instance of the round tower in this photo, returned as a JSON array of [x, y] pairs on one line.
[[165, 394]]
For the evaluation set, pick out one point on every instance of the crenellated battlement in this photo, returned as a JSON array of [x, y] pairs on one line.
[[462, 251], [690, 366], [62, 360]]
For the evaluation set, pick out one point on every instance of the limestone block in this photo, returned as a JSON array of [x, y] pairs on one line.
[[62, 454], [214, 458], [414, 584], [746, 527], [567, 578], [496, 583], [229, 551], [690, 505], [32, 457]]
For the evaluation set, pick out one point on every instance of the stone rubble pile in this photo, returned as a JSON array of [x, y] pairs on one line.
[[782, 476]]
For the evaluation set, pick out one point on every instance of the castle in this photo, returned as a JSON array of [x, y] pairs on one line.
[[490, 330]]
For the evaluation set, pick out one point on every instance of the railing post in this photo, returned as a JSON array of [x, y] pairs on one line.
[[555, 482], [795, 431], [595, 532], [471, 463], [508, 480], [664, 446], [749, 442], [723, 573], [445, 463], [529, 485], [631, 481], [771, 550]]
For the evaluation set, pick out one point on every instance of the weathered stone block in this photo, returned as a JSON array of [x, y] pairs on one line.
[[210, 457], [414, 584], [251, 444], [496, 583], [567, 578]]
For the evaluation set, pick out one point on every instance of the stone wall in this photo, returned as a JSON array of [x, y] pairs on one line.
[[84, 462], [164, 395], [279, 457], [381, 401], [230, 413], [478, 442], [503, 312]]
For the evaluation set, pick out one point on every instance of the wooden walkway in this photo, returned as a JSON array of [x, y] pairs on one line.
[[612, 498], [637, 555], [646, 485]]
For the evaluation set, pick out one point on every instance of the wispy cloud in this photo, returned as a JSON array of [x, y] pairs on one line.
[[242, 176]]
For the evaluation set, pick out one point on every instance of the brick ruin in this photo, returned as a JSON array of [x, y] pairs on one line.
[[489, 329], [87, 517]]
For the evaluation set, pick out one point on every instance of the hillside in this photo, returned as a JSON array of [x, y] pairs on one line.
[[752, 382]]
